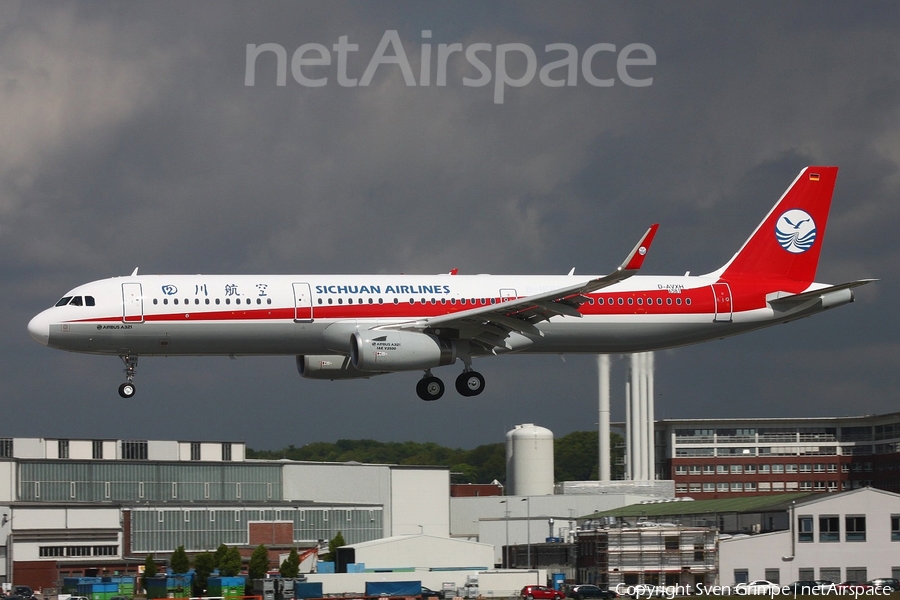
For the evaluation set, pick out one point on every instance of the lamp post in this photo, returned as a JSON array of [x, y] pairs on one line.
[[506, 547], [527, 501]]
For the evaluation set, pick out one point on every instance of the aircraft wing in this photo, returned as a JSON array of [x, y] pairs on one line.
[[491, 325]]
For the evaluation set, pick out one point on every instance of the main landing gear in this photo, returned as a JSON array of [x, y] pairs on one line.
[[469, 383], [127, 389]]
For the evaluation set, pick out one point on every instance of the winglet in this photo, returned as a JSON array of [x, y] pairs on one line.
[[636, 258]]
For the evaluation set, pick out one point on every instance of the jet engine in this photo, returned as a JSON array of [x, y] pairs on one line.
[[399, 351], [331, 366]]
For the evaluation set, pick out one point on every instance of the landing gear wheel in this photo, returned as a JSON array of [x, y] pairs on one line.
[[470, 383], [127, 389], [430, 388]]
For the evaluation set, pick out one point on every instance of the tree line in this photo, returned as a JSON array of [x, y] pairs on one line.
[[575, 456]]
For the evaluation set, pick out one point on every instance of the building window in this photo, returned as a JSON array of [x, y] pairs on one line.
[[829, 529], [695, 487], [773, 575], [134, 450], [777, 469], [6, 447], [750, 486], [226, 451], [855, 528], [738, 469], [895, 528], [750, 469], [805, 529], [708, 469], [763, 468], [737, 486], [721, 487], [709, 487], [741, 576], [97, 450], [681, 488], [78, 550], [62, 448], [671, 542], [48, 551], [106, 550], [722, 469]]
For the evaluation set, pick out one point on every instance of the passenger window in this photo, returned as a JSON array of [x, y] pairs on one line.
[[621, 301], [599, 300], [89, 301], [268, 301], [207, 301], [196, 300], [227, 301], [165, 300], [248, 301], [330, 301], [396, 301], [259, 300], [659, 301], [349, 300], [631, 301], [668, 301], [64, 300], [640, 300], [687, 300], [217, 301], [678, 301], [155, 301], [320, 301], [76, 301], [175, 301]]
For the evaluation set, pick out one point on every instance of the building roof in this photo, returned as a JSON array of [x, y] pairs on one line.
[[725, 505]]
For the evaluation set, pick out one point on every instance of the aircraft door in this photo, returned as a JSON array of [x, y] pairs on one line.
[[303, 306], [132, 303], [507, 294], [722, 294]]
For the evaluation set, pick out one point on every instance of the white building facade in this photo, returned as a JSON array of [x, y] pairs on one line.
[[849, 536]]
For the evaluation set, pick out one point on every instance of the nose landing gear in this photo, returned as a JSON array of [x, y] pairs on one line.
[[127, 389]]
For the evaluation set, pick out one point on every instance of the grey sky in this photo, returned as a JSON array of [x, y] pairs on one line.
[[130, 140]]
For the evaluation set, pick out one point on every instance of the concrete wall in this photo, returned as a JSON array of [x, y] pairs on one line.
[[420, 502], [491, 584], [424, 552]]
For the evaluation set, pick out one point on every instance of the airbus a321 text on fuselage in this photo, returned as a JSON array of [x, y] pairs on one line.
[[358, 326]]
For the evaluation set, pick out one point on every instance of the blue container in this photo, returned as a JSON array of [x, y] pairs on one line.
[[308, 589]]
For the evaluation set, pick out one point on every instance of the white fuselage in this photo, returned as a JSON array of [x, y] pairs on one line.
[[317, 314]]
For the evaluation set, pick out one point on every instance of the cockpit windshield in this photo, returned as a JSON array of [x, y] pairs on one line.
[[76, 301]]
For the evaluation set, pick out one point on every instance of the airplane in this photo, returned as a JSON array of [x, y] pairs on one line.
[[360, 326]]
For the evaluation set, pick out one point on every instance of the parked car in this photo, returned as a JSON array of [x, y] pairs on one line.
[[758, 586], [886, 584], [853, 585], [24, 591], [809, 587], [541, 592], [426, 593], [590, 591]]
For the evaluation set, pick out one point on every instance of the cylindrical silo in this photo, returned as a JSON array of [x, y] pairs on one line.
[[529, 461]]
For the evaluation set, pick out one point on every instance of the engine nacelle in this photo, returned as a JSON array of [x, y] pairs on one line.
[[399, 351], [331, 366]]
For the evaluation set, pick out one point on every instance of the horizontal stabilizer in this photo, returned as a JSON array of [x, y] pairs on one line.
[[776, 300]]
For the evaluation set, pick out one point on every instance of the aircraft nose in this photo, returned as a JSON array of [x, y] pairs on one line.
[[39, 329]]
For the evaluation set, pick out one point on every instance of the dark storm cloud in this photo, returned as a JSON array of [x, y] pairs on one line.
[[131, 140]]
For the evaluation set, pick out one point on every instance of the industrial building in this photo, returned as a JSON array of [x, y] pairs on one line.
[[98, 507], [851, 536]]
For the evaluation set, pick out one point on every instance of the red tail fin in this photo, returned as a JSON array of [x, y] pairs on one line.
[[787, 243]]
